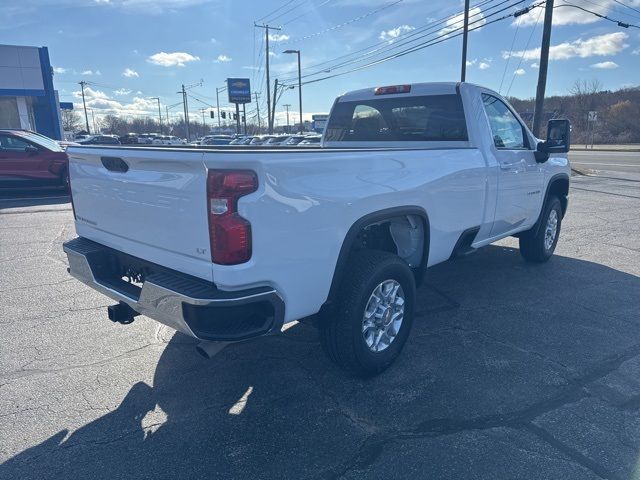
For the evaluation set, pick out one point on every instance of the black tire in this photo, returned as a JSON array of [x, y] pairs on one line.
[[532, 243], [341, 332]]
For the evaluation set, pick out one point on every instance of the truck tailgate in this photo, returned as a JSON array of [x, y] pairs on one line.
[[155, 210]]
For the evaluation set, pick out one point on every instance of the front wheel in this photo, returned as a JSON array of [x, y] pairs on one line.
[[374, 314], [538, 244]]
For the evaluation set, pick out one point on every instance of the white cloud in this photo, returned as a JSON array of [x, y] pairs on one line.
[[129, 73], [250, 67], [90, 72], [213, 40], [394, 33], [471, 63], [103, 104], [223, 59], [520, 71], [277, 37], [59, 70], [535, 65], [122, 91], [605, 65], [636, 51], [173, 59], [484, 65], [476, 19], [599, 45]]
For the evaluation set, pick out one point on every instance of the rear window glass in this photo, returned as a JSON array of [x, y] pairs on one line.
[[425, 119]]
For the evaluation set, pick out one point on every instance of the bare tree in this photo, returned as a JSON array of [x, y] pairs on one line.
[[71, 120]]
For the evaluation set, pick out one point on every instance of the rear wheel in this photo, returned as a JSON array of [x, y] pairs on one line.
[[538, 244], [374, 314]]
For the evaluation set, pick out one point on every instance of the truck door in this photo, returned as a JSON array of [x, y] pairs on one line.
[[520, 177]]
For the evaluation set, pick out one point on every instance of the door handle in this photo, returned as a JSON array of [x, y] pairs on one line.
[[511, 165]]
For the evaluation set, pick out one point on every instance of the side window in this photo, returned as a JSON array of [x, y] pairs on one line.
[[507, 131], [367, 123], [13, 144]]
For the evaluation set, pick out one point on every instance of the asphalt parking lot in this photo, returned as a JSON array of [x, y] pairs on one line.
[[513, 371]]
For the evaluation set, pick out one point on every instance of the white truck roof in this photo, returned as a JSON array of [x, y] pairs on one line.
[[430, 88]]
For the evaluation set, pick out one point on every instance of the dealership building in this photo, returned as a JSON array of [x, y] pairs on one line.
[[27, 98]]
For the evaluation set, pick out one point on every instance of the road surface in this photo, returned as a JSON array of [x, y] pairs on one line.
[[624, 162]]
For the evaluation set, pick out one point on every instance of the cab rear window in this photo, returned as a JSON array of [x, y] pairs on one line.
[[420, 118]]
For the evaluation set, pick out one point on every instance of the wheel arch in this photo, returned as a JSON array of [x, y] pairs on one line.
[[350, 241], [558, 185]]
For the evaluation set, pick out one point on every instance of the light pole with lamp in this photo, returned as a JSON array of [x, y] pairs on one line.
[[299, 83]]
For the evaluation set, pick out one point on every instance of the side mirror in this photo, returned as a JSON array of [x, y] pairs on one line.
[[558, 140], [31, 150], [558, 136]]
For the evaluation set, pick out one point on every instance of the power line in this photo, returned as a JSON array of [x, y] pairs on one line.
[[506, 64], [276, 10], [422, 32], [343, 24], [524, 51], [628, 6], [604, 17], [420, 46], [303, 14]]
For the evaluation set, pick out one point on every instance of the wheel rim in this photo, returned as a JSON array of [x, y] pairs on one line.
[[551, 230], [383, 315]]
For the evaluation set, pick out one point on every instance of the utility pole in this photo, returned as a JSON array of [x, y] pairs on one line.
[[244, 117], [273, 110], [465, 34], [286, 105], [186, 112], [159, 114], [204, 125], [258, 109], [270, 111], [84, 104], [167, 117], [218, 105], [538, 111], [93, 118]]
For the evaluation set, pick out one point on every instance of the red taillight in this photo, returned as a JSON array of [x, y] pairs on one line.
[[229, 233], [392, 89]]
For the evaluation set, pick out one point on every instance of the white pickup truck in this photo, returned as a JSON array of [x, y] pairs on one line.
[[226, 243]]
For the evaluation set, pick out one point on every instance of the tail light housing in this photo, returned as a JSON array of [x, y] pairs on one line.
[[229, 233]]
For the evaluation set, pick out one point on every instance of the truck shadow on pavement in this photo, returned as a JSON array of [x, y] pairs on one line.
[[498, 346]]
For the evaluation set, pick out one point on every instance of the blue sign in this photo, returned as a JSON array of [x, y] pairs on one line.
[[239, 90], [66, 106]]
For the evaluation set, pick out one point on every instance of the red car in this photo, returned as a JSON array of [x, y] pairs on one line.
[[29, 159]]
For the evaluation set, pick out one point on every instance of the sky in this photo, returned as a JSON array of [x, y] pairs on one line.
[[131, 50]]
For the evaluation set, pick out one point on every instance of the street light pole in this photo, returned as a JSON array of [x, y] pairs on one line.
[[159, 114], [86, 117], [299, 82], [286, 105]]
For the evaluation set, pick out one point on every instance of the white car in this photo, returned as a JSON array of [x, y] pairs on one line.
[[168, 140], [226, 245], [147, 138]]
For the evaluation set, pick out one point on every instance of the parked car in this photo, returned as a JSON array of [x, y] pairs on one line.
[[275, 141], [100, 140], [129, 139], [261, 139], [294, 140], [147, 138], [411, 176], [30, 159], [216, 140], [168, 140], [311, 140]]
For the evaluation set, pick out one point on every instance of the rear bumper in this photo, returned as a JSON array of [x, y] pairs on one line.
[[188, 304]]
